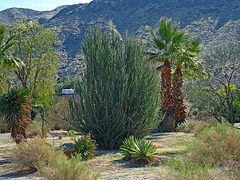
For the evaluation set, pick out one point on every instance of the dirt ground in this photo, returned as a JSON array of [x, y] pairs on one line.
[[109, 164]]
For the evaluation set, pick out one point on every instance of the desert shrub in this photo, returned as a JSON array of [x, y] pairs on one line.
[[37, 127], [63, 169], [192, 126], [118, 91], [34, 129], [71, 134], [85, 146], [29, 154], [59, 115], [139, 150], [218, 145], [180, 169], [41, 156]]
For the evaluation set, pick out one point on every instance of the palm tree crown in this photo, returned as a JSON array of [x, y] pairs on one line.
[[5, 45], [167, 41]]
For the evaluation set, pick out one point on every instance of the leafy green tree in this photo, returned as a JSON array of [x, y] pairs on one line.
[[119, 94], [14, 107], [37, 49]]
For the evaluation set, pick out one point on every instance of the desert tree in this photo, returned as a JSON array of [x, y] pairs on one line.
[[218, 93], [37, 48]]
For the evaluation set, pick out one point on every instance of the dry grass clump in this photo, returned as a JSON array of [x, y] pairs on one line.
[[34, 129], [41, 156], [29, 154], [191, 126], [218, 146], [179, 170], [62, 169], [194, 125], [214, 155]]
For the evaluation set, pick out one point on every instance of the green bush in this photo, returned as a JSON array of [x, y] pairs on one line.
[[138, 149], [119, 94], [71, 134], [218, 145], [85, 146]]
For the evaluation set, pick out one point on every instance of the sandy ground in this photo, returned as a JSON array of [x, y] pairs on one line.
[[109, 164]]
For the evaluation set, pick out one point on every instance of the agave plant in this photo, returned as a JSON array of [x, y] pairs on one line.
[[140, 150], [15, 106], [85, 146], [127, 147]]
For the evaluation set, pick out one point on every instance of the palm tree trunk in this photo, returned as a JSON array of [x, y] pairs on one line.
[[166, 97], [178, 106]]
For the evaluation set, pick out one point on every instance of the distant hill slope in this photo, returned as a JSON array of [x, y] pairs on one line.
[[212, 21]]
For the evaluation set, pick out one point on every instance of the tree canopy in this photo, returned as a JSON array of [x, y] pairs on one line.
[[37, 48]]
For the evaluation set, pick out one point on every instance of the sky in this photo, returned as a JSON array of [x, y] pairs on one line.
[[40, 5]]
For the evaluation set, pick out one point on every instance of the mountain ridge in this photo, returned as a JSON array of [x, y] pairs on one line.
[[212, 21]]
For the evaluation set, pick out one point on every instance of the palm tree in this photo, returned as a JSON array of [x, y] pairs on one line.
[[14, 106], [188, 61], [165, 47], [5, 45], [6, 61]]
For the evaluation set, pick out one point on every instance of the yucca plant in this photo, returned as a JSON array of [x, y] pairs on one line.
[[85, 146], [15, 106], [140, 150]]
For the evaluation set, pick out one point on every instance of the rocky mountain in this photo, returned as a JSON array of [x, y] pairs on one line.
[[215, 21]]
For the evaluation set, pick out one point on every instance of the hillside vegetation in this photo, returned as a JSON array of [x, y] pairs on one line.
[[214, 22]]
